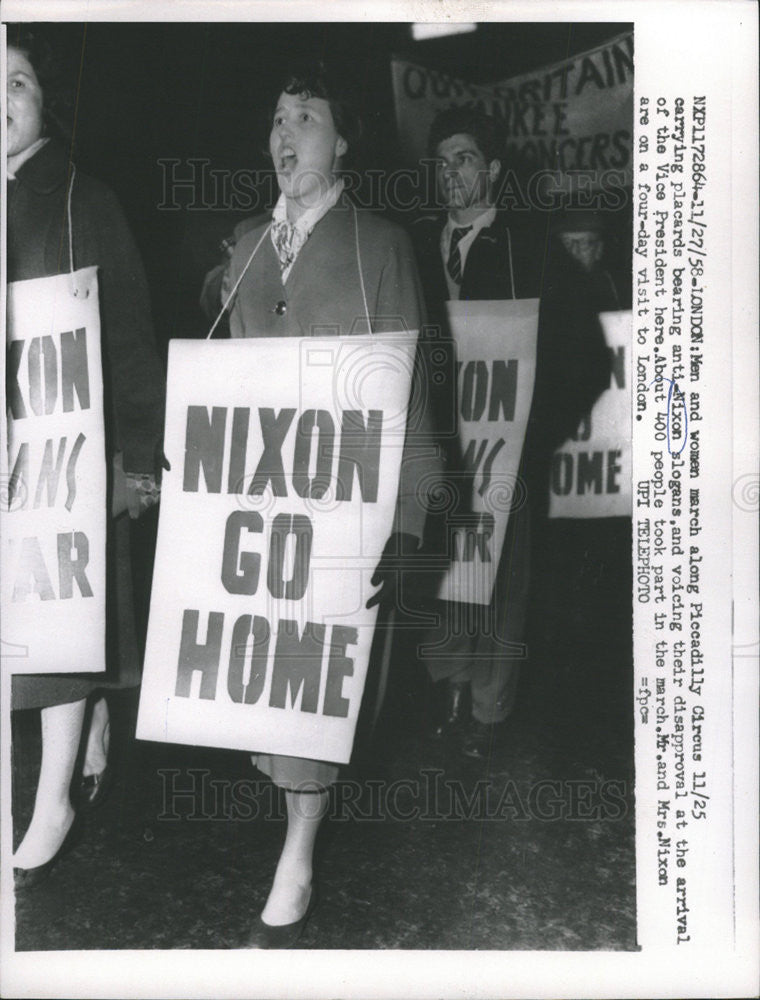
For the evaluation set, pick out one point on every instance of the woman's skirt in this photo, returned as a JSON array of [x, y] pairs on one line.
[[296, 774], [123, 648]]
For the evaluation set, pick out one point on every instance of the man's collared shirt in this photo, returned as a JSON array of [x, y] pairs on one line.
[[484, 220]]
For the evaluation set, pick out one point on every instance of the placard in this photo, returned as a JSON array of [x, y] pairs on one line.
[[591, 472], [496, 369], [285, 457], [54, 514]]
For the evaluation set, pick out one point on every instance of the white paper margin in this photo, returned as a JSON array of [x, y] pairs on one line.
[[727, 969]]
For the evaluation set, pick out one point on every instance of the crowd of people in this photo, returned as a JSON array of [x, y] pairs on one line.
[[315, 260]]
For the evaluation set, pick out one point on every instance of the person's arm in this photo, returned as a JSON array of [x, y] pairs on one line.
[[399, 305], [216, 283], [400, 299], [573, 365], [211, 293], [131, 361]]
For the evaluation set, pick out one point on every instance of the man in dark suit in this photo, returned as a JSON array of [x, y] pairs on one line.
[[474, 251], [477, 251]]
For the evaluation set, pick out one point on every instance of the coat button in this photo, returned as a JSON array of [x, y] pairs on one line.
[[281, 308]]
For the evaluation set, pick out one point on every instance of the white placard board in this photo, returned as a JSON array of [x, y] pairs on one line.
[[54, 509], [285, 457], [496, 369]]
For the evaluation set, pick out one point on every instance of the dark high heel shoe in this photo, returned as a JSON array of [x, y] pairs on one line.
[[27, 878], [455, 713], [94, 788], [266, 935]]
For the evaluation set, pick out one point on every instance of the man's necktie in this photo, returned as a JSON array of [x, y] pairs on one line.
[[454, 263]]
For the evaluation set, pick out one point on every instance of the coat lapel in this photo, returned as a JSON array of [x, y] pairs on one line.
[[330, 232]]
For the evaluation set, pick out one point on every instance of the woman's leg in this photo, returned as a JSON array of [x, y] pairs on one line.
[[53, 812], [98, 739], [291, 890]]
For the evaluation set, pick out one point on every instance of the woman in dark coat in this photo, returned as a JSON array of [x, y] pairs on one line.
[[42, 185]]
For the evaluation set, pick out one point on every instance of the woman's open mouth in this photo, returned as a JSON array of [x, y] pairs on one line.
[[287, 159]]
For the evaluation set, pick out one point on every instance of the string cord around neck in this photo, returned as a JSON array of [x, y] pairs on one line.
[[255, 251], [237, 283], [359, 265], [511, 269], [68, 218]]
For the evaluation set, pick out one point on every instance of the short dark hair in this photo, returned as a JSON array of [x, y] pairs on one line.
[[53, 78], [316, 80], [468, 121]]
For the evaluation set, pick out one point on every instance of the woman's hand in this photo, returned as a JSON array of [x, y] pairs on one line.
[[143, 489], [143, 492], [394, 560]]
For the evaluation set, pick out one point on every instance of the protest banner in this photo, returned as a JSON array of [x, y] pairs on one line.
[[591, 472], [285, 457], [496, 368], [575, 115], [54, 511]]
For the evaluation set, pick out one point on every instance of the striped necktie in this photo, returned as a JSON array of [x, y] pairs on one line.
[[454, 263]]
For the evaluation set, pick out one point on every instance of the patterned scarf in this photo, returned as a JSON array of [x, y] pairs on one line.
[[289, 237]]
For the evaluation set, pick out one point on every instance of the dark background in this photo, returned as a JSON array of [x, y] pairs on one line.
[[148, 93]]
